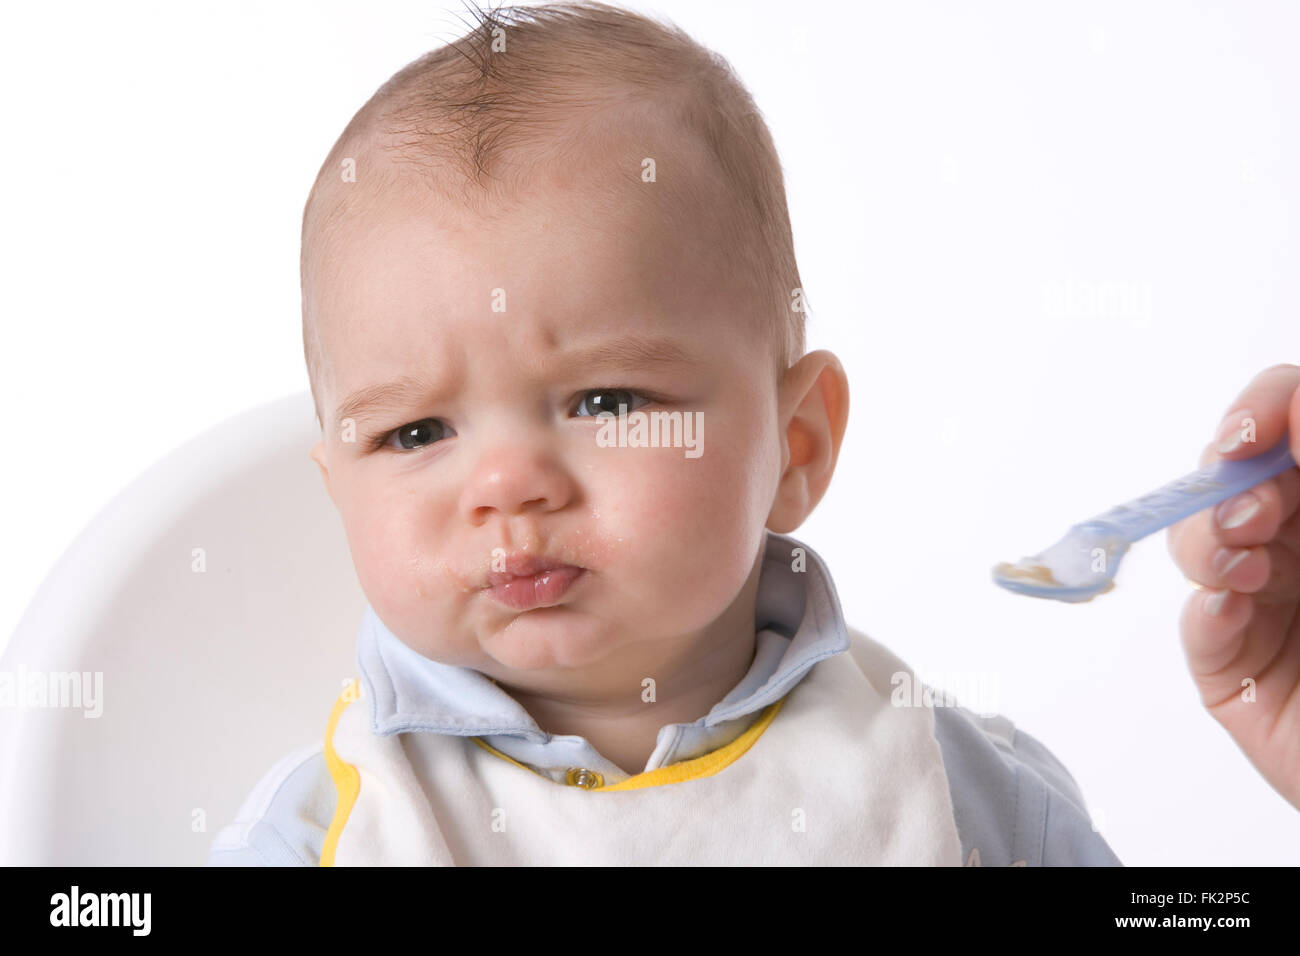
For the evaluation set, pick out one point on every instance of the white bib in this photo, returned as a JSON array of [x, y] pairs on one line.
[[832, 774]]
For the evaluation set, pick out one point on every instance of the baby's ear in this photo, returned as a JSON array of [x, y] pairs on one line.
[[815, 411], [317, 455]]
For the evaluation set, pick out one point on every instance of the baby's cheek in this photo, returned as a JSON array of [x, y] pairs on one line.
[[697, 531], [392, 555], [377, 559], [409, 583]]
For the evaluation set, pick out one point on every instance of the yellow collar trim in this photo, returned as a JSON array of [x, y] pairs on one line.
[[703, 766], [346, 779]]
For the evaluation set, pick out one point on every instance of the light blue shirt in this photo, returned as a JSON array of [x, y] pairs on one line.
[[1012, 799]]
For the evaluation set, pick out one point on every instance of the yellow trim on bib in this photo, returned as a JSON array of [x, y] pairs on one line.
[[347, 781], [704, 766]]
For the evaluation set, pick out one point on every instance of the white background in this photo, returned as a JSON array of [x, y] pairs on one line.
[[948, 166]]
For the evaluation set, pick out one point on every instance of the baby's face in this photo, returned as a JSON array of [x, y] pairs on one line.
[[498, 344]]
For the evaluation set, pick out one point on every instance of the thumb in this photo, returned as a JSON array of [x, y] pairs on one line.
[[1267, 407]]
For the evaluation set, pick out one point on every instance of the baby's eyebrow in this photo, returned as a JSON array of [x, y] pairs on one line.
[[374, 398], [629, 353]]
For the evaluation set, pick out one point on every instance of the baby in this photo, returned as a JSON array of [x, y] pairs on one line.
[[591, 640]]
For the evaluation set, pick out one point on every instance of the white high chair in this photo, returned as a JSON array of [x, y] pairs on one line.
[[209, 676]]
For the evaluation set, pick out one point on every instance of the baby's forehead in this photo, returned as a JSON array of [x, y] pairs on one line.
[[563, 305], [535, 328], [585, 237], [570, 246]]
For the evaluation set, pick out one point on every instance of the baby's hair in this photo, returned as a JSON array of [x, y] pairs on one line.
[[530, 84]]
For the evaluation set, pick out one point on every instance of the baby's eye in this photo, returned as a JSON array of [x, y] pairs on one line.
[[416, 435], [609, 400]]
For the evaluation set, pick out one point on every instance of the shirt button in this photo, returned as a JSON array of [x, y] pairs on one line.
[[582, 777]]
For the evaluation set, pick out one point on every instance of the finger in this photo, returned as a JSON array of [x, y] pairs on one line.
[[1264, 410], [1243, 639], [1277, 501], [1270, 572], [1257, 515], [1254, 558]]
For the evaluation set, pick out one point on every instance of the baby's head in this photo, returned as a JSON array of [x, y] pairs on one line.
[[572, 208]]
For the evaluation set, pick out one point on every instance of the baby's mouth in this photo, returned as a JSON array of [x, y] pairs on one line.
[[531, 582], [520, 565]]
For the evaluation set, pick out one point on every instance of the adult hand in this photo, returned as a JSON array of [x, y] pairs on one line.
[[1241, 631]]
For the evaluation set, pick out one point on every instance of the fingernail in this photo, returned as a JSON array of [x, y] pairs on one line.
[[1214, 603], [1235, 512], [1225, 559], [1231, 431]]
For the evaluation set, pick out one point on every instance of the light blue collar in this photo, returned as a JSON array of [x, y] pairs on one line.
[[798, 622]]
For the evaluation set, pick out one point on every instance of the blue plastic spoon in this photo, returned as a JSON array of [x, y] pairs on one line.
[[1083, 563]]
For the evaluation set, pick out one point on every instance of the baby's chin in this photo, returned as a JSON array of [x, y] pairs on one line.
[[548, 638]]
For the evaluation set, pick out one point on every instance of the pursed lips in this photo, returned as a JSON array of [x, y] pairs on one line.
[[521, 565]]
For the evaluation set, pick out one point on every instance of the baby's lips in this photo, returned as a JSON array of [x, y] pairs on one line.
[[521, 565]]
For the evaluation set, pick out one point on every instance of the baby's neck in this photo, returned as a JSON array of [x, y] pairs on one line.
[[626, 733]]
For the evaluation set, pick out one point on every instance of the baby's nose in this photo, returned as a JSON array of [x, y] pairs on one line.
[[512, 481]]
